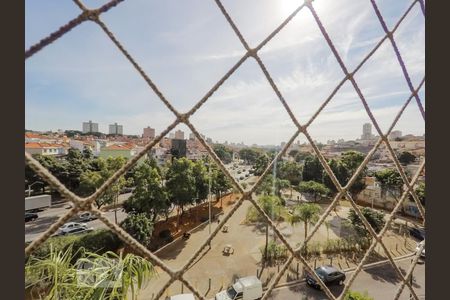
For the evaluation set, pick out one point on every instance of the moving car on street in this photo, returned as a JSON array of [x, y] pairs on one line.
[[328, 274], [78, 230], [68, 227], [30, 217], [86, 216]]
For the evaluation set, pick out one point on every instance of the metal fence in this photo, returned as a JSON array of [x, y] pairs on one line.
[[93, 15]]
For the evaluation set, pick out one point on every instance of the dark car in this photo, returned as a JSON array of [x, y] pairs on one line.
[[30, 217], [418, 233], [328, 274]]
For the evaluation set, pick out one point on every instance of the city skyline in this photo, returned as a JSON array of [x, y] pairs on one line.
[[85, 78]]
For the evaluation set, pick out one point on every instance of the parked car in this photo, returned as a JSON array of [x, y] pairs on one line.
[[78, 230], [328, 274], [30, 217], [418, 248], [86, 216], [181, 297], [246, 288], [418, 233], [69, 226]]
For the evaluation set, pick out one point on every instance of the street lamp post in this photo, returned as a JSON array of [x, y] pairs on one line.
[[29, 187], [209, 195], [411, 281]]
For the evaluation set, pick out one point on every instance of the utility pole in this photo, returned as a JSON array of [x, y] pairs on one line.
[[115, 206]]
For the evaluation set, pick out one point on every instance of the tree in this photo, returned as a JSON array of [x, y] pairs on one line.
[[272, 206], [219, 182], [353, 295], [312, 169], [308, 213], [344, 168], [390, 180], [315, 188], [302, 156], [405, 158], [249, 155], [420, 192], [267, 185], [224, 153], [261, 163], [90, 181], [293, 153], [200, 173], [150, 195], [180, 184], [375, 219], [139, 226], [291, 171]]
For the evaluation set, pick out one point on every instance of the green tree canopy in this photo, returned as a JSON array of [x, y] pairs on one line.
[[139, 226], [180, 183], [291, 171], [308, 213], [149, 196], [224, 153], [315, 188], [390, 180], [312, 169], [406, 158], [374, 217], [249, 155], [90, 181]]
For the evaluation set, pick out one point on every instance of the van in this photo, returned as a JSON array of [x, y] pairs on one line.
[[182, 297], [246, 288]]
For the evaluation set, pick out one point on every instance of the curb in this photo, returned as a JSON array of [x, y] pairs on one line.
[[180, 237], [349, 270]]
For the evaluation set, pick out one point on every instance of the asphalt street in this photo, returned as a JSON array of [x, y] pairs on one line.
[[380, 282], [50, 215]]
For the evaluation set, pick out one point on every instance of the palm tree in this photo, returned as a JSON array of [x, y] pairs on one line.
[[272, 206], [307, 213], [93, 276]]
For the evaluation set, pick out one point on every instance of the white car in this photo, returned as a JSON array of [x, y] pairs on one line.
[[418, 248], [68, 227], [86, 216], [246, 288]]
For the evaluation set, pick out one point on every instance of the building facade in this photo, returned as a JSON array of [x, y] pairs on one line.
[[115, 129], [89, 127], [179, 135], [149, 133]]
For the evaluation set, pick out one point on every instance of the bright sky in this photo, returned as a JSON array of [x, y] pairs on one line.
[[187, 46]]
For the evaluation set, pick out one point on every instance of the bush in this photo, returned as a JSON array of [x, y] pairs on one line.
[[164, 234], [275, 252], [59, 243], [99, 241], [352, 295]]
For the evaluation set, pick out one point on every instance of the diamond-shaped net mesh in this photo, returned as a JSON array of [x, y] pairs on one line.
[[87, 203]]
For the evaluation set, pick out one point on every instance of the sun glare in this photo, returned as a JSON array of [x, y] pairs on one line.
[[288, 6]]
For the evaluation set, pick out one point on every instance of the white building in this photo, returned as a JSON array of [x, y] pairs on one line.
[[115, 129], [94, 146], [367, 132], [89, 127]]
